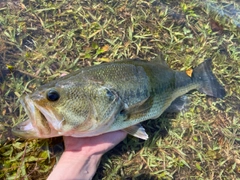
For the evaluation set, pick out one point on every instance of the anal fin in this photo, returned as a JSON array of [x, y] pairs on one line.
[[179, 104]]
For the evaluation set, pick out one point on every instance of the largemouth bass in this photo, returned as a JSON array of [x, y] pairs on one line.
[[110, 97]]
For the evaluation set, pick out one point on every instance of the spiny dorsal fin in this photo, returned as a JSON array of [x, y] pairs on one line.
[[137, 131]]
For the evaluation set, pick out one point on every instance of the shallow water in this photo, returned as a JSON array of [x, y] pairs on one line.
[[41, 40]]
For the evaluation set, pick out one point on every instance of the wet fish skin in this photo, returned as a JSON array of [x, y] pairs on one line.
[[110, 97]]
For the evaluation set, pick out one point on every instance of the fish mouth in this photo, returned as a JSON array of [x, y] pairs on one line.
[[25, 130], [37, 126]]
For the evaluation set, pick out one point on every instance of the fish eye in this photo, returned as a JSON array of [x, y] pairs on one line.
[[53, 95], [122, 112]]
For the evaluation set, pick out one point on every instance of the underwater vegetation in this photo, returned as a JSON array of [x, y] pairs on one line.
[[41, 40]]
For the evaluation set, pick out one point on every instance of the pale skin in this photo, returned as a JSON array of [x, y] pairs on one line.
[[81, 157]]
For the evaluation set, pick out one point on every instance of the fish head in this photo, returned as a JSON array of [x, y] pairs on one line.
[[68, 109]]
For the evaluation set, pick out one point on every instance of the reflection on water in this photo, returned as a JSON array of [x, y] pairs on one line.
[[41, 40], [229, 11]]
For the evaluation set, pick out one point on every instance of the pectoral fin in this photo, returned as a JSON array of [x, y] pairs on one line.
[[137, 131], [141, 107]]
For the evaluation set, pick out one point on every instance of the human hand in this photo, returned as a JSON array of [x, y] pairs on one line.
[[82, 155]]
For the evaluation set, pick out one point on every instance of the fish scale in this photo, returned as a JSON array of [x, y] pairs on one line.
[[110, 97]]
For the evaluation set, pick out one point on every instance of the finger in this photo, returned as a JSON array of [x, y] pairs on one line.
[[99, 143]]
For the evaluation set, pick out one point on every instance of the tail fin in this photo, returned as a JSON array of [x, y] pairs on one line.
[[209, 83]]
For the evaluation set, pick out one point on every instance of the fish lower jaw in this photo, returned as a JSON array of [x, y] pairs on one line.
[[27, 127], [25, 130]]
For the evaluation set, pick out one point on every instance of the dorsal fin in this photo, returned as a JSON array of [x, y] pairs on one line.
[[160, 60]]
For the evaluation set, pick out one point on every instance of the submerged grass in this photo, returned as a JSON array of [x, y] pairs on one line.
[[40, 40]]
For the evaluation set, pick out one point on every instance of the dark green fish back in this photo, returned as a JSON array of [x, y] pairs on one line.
[[119, 95], [148, 88]]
